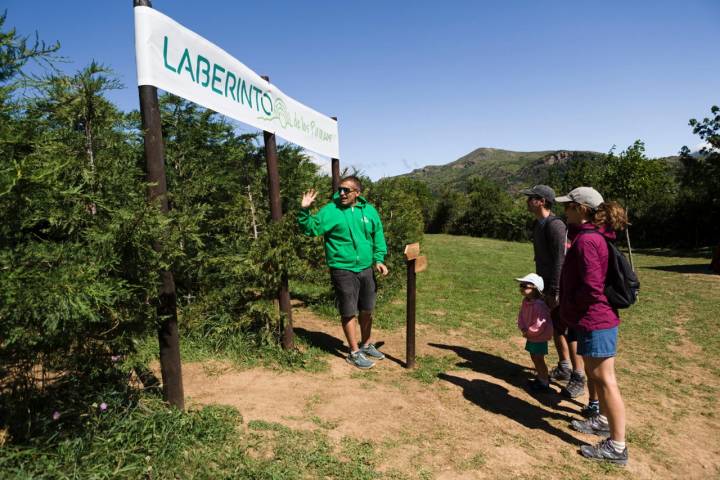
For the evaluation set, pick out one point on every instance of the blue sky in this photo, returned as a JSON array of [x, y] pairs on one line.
[[423, 83]]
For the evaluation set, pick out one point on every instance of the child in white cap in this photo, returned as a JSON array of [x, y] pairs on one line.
[[535, 323]]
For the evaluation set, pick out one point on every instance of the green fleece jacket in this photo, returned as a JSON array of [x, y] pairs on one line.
[[354, 237]]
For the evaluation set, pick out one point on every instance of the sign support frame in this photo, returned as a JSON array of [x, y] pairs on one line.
[[287, 335], [168, 336]]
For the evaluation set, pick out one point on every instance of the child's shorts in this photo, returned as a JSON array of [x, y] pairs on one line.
[[536, 348], [598, 343]]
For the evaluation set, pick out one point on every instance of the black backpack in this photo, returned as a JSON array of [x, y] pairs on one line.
[[621, 283]]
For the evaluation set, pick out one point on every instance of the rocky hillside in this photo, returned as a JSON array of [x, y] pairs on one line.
[[513, 169]]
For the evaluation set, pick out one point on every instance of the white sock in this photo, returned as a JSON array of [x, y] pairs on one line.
[[619, 447]]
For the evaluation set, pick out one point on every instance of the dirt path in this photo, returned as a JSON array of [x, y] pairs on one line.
[[477, 421]]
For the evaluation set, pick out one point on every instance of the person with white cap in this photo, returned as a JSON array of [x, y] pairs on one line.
[[536, 326], [585, 307]]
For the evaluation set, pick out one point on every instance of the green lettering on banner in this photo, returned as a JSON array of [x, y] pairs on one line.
[[188, 66], [245, 93], [206, 72], [262, 102], [165, 45], [257, 101], [215, 78], [228, 76]]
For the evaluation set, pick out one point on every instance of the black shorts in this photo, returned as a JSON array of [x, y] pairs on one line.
[[354, 291], [558, 326]]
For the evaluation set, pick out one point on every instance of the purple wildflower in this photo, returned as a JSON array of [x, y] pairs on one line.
[[56, 415], [115, 358], [103, 406]]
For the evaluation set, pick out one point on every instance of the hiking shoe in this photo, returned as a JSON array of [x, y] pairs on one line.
[[592, 425], [561, 373], [589, 411], [576, 386], [604, 451], [370, 351], [359, 360], [536, 386]]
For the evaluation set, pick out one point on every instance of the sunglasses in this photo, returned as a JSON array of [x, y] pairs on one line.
[[527, 285], [345, 190]]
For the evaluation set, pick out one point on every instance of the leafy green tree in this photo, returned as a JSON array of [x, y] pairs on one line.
[[74, 238], [699, 201], [639, 183], [490, 212]]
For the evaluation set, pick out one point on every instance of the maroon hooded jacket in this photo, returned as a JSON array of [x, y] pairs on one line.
[[583, 304]]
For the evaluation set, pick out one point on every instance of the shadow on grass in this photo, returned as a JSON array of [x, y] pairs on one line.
[[334, 345], [323, 341], [676, 252], [507, 371], [402, 363], [696, 268], [497, 399]]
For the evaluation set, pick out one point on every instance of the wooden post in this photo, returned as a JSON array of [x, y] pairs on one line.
[[335, 166], [412, 251], [627, 237], [271, 157], [168, 337], [410, 334]]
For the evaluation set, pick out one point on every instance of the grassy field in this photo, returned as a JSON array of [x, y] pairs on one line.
[[668, 369]]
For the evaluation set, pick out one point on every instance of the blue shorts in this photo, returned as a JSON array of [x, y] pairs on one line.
[[597, 343]]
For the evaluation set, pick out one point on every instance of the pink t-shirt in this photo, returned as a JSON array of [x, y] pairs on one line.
[[534, 317]]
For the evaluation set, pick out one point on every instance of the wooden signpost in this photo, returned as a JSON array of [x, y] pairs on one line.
[[287, 336], [415, 263], [170, 366]]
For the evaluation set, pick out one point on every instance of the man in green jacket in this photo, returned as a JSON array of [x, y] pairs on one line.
[[354, 242]]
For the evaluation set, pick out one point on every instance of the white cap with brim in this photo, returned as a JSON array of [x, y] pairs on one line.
[[534, 279], [587, 196]]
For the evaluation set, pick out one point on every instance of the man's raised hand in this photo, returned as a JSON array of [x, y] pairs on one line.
[[308, 198]]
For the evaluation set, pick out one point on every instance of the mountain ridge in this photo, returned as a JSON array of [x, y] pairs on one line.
[[513, 169]]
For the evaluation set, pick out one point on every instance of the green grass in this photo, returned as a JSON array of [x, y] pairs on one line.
[[428, 367], [469, 288], [242, 351], [469, 283], [153, 441]]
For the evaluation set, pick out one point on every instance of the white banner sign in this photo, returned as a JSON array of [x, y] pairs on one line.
[[177, 60]]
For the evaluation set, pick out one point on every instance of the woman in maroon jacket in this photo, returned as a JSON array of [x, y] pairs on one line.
[[585, 308]]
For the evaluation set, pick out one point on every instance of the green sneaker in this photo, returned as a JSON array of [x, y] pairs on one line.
[[370, 351], [359, 360]]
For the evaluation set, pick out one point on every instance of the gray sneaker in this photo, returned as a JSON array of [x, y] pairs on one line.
[[561, 373], [370, 351], [576, 386], [604, 451], [590, 410], [592, 425], [359, 360]]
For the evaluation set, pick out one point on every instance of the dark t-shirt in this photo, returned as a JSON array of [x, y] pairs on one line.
[[549, 244]]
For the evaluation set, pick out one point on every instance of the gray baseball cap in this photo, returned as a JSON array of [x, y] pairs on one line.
[[542, 191], [584, 196]]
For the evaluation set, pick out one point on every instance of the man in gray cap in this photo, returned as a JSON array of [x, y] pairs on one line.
[[549, 245]]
